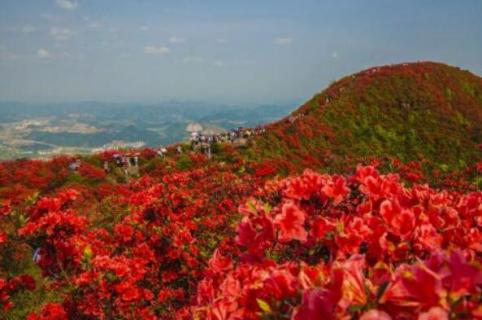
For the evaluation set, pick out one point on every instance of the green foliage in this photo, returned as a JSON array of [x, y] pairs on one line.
[[26, 302], [184, 162], [469, 88], [75, 178], [449, 94]]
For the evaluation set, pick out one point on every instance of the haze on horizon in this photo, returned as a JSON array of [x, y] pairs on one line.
[[221, 51]]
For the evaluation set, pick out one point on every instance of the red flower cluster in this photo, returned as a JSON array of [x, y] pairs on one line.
[[145, 257], [11, 286], [176, 244], [329, 247], [52, 311], [91, 172]]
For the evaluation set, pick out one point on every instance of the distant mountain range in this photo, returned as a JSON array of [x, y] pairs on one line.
[[41, 129]]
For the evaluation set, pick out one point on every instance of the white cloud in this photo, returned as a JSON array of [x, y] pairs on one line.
[[144, 28], [283, 41], [5, 54], [177, 40], [156, 50], [219, 63], [44, 53], [60, 34], [67, 4], [221, 40], [27, 29], [334, 55], [91, 24], [23, 29], [193, 59], [52, 18], [94, 25]]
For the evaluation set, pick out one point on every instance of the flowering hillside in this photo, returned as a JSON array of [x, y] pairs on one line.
[[428, 112], [224, 241], [243, 233]]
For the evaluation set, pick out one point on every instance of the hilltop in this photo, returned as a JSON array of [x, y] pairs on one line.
[[425, 111]]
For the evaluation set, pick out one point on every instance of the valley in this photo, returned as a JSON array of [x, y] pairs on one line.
[[42, 131]]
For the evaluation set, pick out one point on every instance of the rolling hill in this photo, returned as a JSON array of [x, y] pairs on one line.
[[415, 111]]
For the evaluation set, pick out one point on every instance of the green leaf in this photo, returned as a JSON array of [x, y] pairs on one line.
[[252, 207], [263, 305], [87, 254], [267, 207]]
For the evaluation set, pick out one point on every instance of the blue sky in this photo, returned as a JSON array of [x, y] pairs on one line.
[[246, 51]]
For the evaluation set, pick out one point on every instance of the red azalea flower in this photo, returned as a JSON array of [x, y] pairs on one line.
[[429, 237], [336, 190], [4, 207], [320, 304], [218, 263], [129, 292], [291, 223], [303, 187], [321, 227], [205, 291], [124, 232], [281, 284], [315, 306], [478, 165], [423, 285], [148, 295], [401, 221], [362, 172], [3, 237], [28, 282], [465, 277], [52, 311], [245, 232], [354, 286], [371, 186]]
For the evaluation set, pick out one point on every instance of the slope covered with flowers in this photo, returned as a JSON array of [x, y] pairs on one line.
[[428, 112], [222, 240], [249, 232], [103, 248]]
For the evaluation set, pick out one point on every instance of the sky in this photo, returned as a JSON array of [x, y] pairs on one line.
[[223, 51]]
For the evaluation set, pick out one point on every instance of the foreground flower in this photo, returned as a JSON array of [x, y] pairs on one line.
[[291, 223]]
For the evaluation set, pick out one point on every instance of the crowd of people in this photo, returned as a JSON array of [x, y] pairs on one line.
[[129, 163], [199, 141], [227, 137], [203, 142]]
